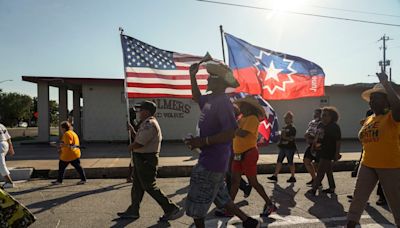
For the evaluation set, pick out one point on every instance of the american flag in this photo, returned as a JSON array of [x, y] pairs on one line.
[[268, 130], [153, 72]]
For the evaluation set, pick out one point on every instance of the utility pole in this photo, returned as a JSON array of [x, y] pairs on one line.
[[385, 62]]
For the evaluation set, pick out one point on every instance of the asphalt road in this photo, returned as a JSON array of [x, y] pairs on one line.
[[96, 204]]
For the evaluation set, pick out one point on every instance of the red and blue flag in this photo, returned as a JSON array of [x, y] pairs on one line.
[[273, 75]]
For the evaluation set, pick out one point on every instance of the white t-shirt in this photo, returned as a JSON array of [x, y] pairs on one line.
[[4, 136]]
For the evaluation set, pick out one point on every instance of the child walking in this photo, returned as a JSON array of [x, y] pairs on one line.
[[287, 148]]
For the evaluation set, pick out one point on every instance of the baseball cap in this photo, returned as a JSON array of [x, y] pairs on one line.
[[146, 105]]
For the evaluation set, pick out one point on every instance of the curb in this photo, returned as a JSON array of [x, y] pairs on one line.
[[174, 171]]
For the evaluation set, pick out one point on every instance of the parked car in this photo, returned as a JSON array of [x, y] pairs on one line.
[[22, 124]]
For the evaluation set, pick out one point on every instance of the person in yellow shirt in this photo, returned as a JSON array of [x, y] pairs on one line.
[[70, 153], [245, 150], [380, 138]]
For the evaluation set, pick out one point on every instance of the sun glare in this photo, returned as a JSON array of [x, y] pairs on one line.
[[285, 5]]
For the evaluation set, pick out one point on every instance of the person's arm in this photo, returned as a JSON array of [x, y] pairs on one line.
[[338, 155], [194, 68], [11, 151], [241, 133], [392, 95], [134, 146], [223, 137], [131, 130], [338, 143]]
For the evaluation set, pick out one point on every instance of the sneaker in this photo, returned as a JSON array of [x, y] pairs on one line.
[[250, 222], [56, 183], [310, 182], [273, 178], [81, 182], [247, 191], [291, 180], [8, 185], [268, 209], [126, 215], [172, 215], [311, 192], [329, 190]]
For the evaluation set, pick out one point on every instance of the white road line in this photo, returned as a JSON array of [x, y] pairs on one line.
[[286, 221]]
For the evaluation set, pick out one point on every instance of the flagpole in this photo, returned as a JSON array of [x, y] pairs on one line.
[[222, 42], [125, 87]]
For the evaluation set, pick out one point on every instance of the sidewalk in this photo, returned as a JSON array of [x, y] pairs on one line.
[[112, 160]]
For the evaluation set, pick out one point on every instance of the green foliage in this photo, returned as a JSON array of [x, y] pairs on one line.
[[14, 107]]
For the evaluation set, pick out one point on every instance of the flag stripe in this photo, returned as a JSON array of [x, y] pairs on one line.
[[170, 77], [144, 70], [162, 81], [147, 95], [159, 91], [154, 85]]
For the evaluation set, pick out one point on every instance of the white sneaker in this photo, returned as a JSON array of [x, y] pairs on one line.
[[8, 185], [81, 182]]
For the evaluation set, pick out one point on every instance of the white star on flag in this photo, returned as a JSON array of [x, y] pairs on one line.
[[272, 72]]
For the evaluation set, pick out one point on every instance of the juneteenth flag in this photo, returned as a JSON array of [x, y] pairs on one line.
[[152, 72], [273, 75]]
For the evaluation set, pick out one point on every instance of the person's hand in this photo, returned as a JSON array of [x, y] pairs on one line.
[[382, 77], [194, 68], [338, 157], [130, 147], [11, 152], [195, 142]]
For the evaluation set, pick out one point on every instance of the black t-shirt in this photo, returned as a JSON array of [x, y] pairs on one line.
[[288, 131], [332, 134]]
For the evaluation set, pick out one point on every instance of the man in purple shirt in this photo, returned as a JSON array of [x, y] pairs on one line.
[[217, 125]]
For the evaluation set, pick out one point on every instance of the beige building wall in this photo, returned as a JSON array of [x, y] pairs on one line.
[[104, 112], [177, 117]]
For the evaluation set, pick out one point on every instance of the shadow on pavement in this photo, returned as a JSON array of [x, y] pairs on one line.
[[46, 187], [326, 206], [285, 198], [376, 215], [122, 222], [49, 204]]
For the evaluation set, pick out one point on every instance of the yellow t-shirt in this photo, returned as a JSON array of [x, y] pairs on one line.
[[242, 144], [380, 137], [68, 153]]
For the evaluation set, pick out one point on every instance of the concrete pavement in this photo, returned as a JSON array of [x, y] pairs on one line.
[[111, 160], [96, 204]]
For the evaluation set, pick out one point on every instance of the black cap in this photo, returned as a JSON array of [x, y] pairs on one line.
[[147, 105]]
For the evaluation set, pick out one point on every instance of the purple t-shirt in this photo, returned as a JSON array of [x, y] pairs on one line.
[[216, 116]]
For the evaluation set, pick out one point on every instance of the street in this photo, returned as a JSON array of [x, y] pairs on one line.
[[96, 204]]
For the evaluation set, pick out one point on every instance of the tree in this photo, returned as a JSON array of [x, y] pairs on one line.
[[14, 107], [53, 111]]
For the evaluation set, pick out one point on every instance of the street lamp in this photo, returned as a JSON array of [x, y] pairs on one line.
[[8, 80]]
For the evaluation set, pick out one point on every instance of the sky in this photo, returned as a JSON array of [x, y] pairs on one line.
[[78, 38]]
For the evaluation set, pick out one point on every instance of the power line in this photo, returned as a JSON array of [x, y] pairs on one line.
[[355, 11], [300, 13]]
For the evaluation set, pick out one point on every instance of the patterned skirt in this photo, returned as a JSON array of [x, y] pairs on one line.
[[13, 213]]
